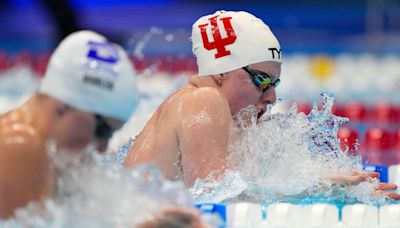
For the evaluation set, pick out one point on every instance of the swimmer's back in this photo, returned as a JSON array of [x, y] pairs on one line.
[[159, 140]]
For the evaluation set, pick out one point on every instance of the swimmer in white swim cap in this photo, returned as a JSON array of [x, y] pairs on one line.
[[239, 61], [88, 92]]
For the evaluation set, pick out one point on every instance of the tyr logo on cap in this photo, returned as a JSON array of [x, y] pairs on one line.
[[277, 51], [219, 43]]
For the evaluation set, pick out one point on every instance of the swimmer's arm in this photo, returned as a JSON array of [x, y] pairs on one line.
[[204, 136], [25, 174]]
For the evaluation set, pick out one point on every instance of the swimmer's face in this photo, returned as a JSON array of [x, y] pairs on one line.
[[241, 91], [76, 130], [103, 139]]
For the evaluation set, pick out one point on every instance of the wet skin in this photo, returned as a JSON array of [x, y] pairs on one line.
[[189, 135], [25, 170]]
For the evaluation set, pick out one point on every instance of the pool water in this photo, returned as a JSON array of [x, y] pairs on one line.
[[283, 158]]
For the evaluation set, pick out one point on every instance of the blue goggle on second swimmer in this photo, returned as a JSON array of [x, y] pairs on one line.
[[261, 79]]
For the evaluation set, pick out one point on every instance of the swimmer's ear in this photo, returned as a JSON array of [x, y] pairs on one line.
[[62, 109], [218, 79]]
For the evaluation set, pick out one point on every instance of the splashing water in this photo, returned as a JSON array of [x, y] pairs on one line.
[[123, 150], [138, 51], [90, 194], [288, 157]]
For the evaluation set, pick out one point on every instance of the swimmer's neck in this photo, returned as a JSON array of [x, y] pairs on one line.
[[203, 81]]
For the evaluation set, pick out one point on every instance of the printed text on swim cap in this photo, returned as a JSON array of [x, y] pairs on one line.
[[275, 51]]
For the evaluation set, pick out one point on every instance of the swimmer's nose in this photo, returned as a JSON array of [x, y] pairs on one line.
[[269, 97], [102, 145]]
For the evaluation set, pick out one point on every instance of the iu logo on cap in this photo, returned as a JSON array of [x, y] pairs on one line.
[[219, 43]]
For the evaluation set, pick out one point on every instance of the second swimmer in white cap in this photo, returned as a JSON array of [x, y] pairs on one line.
[[88, 92], [239, 61]]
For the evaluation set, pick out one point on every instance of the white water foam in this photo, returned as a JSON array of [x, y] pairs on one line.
[[288, 155], [96, 192]]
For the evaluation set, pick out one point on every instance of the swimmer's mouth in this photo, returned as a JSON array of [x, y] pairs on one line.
[[260, 113]]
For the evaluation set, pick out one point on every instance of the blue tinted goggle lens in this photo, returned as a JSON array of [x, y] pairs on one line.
[[261, 80]]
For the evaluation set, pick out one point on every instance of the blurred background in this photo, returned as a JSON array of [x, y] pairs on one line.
[[333, 27], [350, 48]]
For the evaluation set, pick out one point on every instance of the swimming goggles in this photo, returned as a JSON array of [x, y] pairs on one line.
[[261, 79], [103, 129]]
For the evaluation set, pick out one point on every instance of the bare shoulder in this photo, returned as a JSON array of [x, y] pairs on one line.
[[207, 99], [19, 146], [203, 106], [15, 134], [21, 149], [208, 94], [191, 102]]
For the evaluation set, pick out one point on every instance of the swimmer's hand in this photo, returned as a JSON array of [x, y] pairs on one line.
[[358, 177], [177, 217]]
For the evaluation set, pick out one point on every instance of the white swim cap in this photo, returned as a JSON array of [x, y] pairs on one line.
[[227, 40], [91, 74]]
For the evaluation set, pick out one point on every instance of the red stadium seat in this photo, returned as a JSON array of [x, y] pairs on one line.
[[304, 107], [397, 141], [339, 110], [348, 138], [184, 64], [139, 64], [384, 112], [23, 58], [379, 147], [40, 64], [170, 64], [192, 65], [396, 115], [180, 64], [3, 61], [379, 139], [355, 111], [165, 63]]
